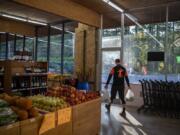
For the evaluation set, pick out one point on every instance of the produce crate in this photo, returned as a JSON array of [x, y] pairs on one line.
[[86, 118], [30, 126], [64, 123], [63, 120], [48, 124], [12, 129]]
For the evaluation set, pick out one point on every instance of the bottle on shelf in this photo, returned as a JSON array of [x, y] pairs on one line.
[[0, 83]]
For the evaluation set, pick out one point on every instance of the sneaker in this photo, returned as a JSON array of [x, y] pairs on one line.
[[108, 107], [123, 114]]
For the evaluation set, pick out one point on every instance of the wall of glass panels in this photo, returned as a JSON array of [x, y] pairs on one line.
[[173, 67], [55, 56], [56, 61], [2, 46], [42, 44], [55, 53], [11, 46], [29, 44], [138, 41], [137, 44], [19, 43], [68, 53]]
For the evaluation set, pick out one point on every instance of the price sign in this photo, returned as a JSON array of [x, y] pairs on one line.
[[64, 116], [47, 123]]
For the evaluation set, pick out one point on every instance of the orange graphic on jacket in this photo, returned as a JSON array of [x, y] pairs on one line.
[[122, 73]]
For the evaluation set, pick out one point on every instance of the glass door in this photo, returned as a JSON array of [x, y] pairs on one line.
[[108, 57]]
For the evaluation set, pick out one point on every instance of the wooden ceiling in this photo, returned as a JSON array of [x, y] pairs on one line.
[[13, 8], [146, 11]]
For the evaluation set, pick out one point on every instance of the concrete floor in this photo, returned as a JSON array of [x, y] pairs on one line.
[[136, 124]]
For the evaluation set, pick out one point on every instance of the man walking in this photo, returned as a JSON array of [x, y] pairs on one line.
[[119, 74]]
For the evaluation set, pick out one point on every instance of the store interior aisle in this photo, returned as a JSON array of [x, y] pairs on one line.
[[136, 124]]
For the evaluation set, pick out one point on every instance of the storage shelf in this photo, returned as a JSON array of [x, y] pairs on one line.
[[30, 74], [15, 72], [33, 88]]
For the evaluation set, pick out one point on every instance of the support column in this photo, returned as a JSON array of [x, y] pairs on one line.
[[62, 49], [15, 38], [122, 38], [85, 57], [7, 39], [36, 44], [24, 41], [48, 45], [99, 57], [166, 44]]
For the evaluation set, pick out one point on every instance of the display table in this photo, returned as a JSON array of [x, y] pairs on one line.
[[81, 119]]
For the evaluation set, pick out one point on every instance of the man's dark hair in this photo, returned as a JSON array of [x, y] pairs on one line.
[[117, 60]]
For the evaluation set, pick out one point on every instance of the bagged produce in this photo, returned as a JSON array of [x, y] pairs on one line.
[[3, 103], [7, 116]]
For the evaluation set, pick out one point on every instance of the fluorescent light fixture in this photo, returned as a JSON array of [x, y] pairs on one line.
[[22, 19], [36, 22], [113, 5], [55, 27], [131, 17], [11, 34], [19, 35], [14, 17]]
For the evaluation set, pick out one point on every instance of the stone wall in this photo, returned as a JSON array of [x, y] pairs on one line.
[[85, 51]]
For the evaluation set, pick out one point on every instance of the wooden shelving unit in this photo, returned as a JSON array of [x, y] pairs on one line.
[[26, 77]]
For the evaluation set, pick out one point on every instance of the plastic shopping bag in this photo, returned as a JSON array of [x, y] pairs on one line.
[[129, 95], [105, 97]]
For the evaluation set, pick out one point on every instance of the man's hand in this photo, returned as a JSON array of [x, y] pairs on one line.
[[106, 86]]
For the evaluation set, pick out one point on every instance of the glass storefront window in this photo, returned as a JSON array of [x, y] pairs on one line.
[[11, 46], [2, 46], [19, 43], [68, 53], [55, 54]]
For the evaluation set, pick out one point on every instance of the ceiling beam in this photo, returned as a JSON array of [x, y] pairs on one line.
[[16, 27], [65, 8]]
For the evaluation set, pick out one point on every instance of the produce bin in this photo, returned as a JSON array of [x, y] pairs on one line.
[[30, 126], [86, 118], [48, 124], [64, 121], [12, 129]]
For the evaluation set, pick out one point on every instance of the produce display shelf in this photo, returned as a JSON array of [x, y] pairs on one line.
[[67, 121], [23, 89]]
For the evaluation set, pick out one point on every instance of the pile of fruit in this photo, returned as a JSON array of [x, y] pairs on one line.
[[21, 106], [48, 103], [71, 95]]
